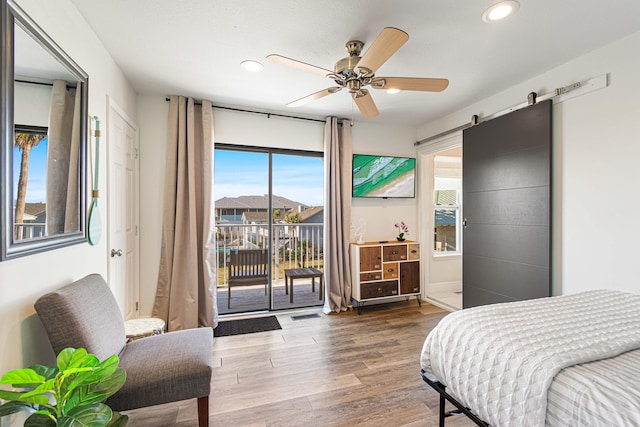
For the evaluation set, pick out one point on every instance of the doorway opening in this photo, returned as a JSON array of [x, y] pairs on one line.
[[441, 206], [269, 227]]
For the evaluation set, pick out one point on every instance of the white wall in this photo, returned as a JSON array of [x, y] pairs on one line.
[[595, 166], [23, 280], [237, 128]]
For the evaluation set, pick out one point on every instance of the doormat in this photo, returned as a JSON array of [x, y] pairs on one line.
[[246, 326]]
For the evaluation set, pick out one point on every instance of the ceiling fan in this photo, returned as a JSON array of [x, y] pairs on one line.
[[355, 72]]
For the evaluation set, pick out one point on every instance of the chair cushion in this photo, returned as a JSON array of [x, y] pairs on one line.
[[165, 368], [83, 314]]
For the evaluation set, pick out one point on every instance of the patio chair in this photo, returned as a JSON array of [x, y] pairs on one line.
[[160, 369], [248, 267]]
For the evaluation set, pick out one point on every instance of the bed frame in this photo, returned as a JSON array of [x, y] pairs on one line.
[[461, 409]]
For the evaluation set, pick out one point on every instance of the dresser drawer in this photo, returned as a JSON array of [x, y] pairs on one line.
[[379, 289], [394, 253], [390, 270], [414, 251], [372, 275]]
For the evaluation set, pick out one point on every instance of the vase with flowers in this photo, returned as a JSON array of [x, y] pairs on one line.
[[402, 230]]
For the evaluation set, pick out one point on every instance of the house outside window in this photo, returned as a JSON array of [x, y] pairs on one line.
[[447, 222]]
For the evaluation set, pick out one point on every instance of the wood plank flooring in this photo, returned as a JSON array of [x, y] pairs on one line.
[[332, 370]]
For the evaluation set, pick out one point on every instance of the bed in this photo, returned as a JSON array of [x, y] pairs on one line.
[[565, 360]]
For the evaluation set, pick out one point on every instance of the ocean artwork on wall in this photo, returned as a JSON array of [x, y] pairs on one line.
[[383, 176]]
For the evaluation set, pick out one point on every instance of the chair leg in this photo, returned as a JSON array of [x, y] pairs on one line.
[[229, 299], [203, 411]]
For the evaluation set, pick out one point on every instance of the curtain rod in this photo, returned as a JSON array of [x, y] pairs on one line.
[[40, 83], [261, 112], [559, 95]]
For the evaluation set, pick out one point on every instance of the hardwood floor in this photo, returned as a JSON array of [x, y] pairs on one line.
[[332, 370]]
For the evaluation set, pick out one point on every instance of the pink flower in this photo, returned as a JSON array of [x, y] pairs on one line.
[[402, 227]]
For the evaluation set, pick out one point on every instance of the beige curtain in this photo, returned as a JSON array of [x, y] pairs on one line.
[[62, 160], [337, 215], [186, 297]]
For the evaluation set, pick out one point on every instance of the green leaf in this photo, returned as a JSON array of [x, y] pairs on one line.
[[94, 415], [97, 391], [48, 372], [118, 420], [23, 378], [70, 358], [98, 372], [78, 358], [108, 366], [76, 370], [13, 407], [91, 361], [64, 357], [81, 380], [46, 387], [37, 399], [10, 395], [39, 420], [25, 397]]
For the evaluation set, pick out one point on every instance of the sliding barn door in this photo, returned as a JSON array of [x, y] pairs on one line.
[[507, 207]]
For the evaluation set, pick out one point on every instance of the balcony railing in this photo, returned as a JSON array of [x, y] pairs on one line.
[[28, 230], [294, 245]]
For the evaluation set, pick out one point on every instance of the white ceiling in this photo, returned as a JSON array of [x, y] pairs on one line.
[[194, 47]]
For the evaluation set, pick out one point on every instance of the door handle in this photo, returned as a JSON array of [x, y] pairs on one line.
[[115, 253], [464, 223]]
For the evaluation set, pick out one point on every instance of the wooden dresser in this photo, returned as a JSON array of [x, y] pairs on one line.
[[382, 270]]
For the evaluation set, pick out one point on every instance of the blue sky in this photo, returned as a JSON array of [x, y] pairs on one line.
[[36, 186], [237, 173], [242, 173]]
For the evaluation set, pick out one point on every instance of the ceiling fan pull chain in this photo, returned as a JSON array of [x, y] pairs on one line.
[[352, 102]]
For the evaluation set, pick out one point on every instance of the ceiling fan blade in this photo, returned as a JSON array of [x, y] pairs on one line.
[[385, 45], [410, 83], [302, 66], [314, 96], [365, 103]]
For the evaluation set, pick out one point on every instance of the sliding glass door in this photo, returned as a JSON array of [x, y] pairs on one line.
[[269, 206]]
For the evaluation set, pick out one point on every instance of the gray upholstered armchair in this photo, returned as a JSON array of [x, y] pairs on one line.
[[160, 369]]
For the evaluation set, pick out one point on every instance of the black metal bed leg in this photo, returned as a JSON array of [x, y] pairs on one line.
[[444, 396]]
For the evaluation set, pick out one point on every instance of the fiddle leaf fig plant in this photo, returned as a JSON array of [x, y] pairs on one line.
[[71, 394]]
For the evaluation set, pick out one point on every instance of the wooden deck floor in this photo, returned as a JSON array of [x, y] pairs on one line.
[[330, 370], [252, 298]]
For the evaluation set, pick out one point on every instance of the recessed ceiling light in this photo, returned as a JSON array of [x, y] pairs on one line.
[[392, 91], [500, 10], [253, 66]]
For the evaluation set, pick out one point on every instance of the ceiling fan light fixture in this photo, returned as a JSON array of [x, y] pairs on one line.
[[393, 91], [252, 66], [500, 10]]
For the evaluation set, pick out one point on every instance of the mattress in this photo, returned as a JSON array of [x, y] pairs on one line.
[[500, 360]]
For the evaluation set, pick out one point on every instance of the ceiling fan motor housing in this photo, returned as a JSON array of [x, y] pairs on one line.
[[345, 68]]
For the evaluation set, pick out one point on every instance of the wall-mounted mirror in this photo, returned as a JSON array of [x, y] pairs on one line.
[[43, 142]]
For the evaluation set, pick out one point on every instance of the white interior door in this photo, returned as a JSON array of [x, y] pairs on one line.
[[123, 211]]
